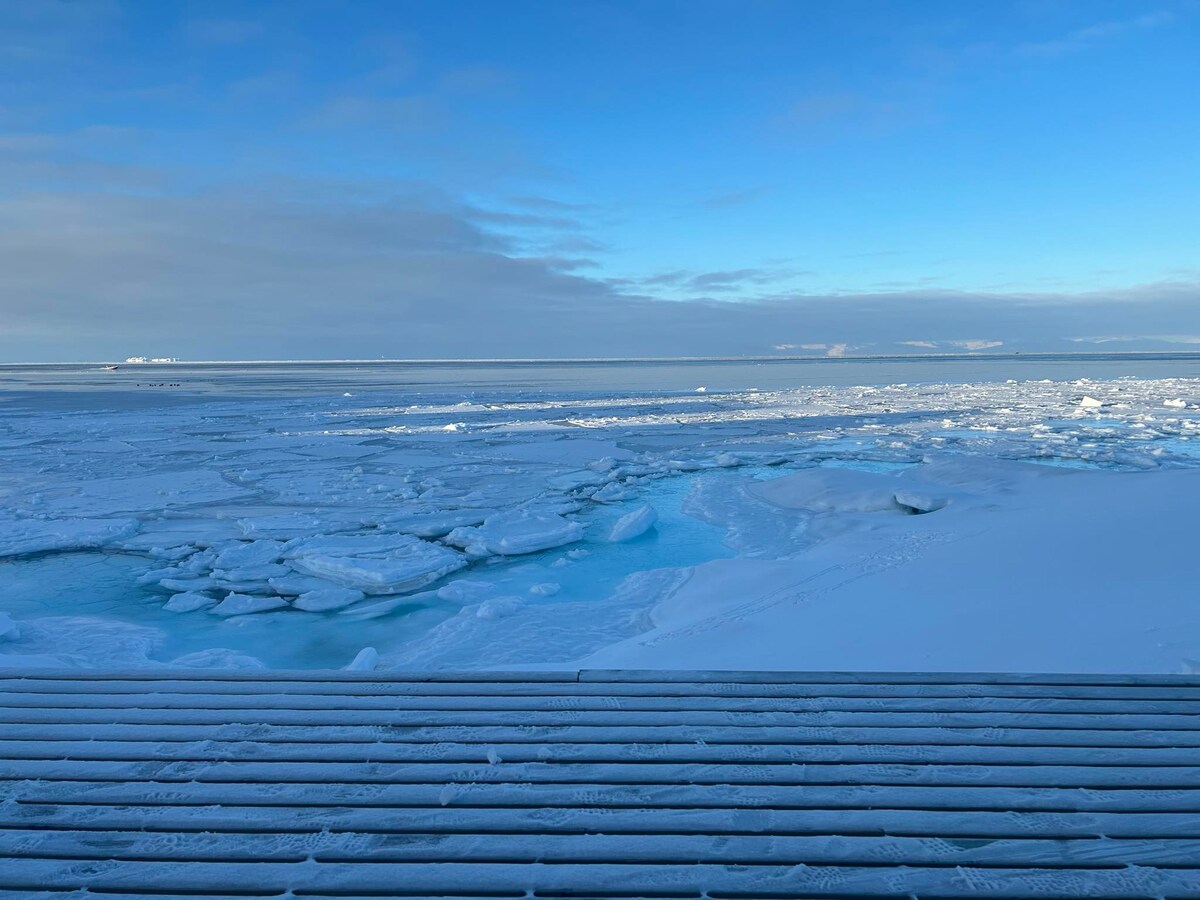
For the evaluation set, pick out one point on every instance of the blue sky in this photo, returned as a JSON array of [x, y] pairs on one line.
[[446, 179]]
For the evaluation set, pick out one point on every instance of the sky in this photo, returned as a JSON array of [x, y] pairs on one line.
[[597, 178]]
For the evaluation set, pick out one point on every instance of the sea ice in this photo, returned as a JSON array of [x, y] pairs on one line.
[[516, 533], [333, 499], [242, 604], [499, 607], [831, 490], [238, 554], [365, 661], [189, 601], [218, 658], [20, 537], [326, 599], [633, 524], [398, 564]]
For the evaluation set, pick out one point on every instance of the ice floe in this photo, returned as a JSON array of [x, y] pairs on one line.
[[390, 564], [242, 604], [633, 524], [19, 537], [517, 533]]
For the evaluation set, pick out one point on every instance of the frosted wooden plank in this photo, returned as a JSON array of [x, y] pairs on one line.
[[301, 748], [549, 795], [361, 727], [210, 712], [628, 880], [1164, 777], [651, 821], [268, 701], [369, 846], [362, 687]]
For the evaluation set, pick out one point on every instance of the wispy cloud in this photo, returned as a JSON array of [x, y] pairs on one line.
[[734, 198], [222, 31], [1097, 33]]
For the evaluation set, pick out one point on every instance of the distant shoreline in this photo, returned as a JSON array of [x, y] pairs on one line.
[[441, 361]]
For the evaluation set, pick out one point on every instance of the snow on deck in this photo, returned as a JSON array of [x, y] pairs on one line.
[[598, 783]]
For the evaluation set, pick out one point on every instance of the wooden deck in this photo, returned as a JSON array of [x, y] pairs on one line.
[[598, 784]]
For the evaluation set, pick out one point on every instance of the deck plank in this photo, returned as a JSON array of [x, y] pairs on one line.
[[157, 783], [617, 880], [226, 700]]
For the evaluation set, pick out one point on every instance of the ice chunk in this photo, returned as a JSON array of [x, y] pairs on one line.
[[1090, 402], [1177, 403], [241, 604], [633, 524], [325, 599], [218, 658], [294, 585], [408, 565], [20, 537], [569, 481], [545, 589], [189, 601], [613, 492], [284, 526], [188, 583], [251, 574], [366, 660], [211, 583], [239, 554], [437, 524], [378, 543], [517, 532]]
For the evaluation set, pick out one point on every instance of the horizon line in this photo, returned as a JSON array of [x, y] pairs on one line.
[[1010, 354]]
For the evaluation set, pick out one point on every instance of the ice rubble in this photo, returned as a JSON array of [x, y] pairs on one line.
[[344, 515]]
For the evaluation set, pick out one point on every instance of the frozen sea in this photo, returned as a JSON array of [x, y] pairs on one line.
[[1002, 513]]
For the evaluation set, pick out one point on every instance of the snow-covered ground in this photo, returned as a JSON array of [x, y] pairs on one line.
[[1009, 526]]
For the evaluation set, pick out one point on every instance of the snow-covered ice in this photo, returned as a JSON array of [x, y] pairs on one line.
[[1001, 525], [633, 524]]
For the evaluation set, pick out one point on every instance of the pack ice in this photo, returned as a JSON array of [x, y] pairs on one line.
[[1036, 525]]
